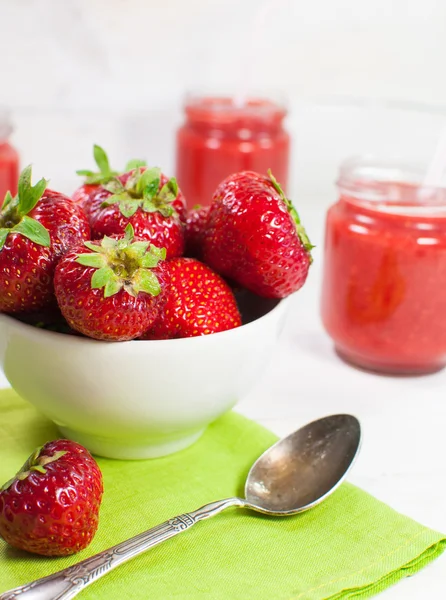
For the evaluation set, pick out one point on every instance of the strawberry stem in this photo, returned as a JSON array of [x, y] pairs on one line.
[[35, 462]]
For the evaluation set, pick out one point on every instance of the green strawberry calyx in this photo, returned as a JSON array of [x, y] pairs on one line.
[[293, 213], [14, 211], [35, 462], [123, 264], [105, 173], [142, 190]]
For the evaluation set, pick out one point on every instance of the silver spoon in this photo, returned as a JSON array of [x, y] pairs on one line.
[[295, 474]]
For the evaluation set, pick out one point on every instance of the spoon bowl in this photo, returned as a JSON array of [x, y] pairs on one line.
[[293, 475], [303, 468]]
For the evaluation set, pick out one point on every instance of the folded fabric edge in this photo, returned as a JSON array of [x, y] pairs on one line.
[[367, 590]]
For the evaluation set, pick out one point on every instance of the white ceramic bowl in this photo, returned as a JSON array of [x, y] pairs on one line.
[[138, 399]]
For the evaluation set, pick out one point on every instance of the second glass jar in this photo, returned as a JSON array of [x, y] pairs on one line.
[[384, 283]]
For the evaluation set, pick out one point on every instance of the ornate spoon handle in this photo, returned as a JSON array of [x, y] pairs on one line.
[[67, 583]]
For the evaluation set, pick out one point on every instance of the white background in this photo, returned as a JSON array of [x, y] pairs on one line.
[[113, 72]]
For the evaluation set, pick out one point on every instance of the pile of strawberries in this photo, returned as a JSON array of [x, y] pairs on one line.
[[123, 259]]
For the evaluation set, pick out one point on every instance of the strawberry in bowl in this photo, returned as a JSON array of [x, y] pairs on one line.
[[112, 290], [147, 200], [198, 302], [36, 228], [254, 236], [94, 179]]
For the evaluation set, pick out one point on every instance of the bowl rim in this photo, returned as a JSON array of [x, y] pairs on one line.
[[57, 336]]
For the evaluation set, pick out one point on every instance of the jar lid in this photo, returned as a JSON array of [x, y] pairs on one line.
[[390, 186], [5, 124]]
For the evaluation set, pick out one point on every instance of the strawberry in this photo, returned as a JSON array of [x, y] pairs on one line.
[[254, 236], [198, 302], [146, 199], [36, 228], [51, 506], [113, 289], [93, 180], [196, 221]]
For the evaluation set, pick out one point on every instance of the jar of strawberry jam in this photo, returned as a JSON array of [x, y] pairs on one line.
[[221, 136], [9, 158], [384, 283]]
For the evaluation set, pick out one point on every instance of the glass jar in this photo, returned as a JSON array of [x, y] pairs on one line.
[[384, 282], [9, 158], [220, 137]]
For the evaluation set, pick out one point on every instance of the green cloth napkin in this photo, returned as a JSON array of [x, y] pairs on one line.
[[350, 546]]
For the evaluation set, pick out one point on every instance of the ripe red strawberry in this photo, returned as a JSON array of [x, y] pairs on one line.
[[51, 506], [113, 289], [254, 236], [198, 302], [36, 228], [93, 180], [146, 199], [196, 221]]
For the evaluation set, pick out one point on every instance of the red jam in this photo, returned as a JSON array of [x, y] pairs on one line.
[[384, 285], [9, 159], [221, 137]]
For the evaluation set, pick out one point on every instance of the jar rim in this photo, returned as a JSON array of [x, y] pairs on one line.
[[390, 185], [228, 109]]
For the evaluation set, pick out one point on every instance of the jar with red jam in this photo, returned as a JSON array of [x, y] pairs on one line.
[[384, 281], [221, 136], [9, 158]]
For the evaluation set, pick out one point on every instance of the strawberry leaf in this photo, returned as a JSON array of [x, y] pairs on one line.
[[112, 287], [128, 207], [169, 191], [105, 173], [114, 186], [135, 163], [8, 199], [166, 211], [114, 199], [146, 281], [106, 243], [33, 230], [159, 252], [132, 181], [102, 276], [149, 206], [149, 261], [149, 182], [92, 246], [3, 235], [129, 232], [138, 249], [101, 159], [92, 260], [29, 195]]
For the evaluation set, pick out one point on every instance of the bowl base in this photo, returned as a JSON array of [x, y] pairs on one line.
[[112, 449]]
